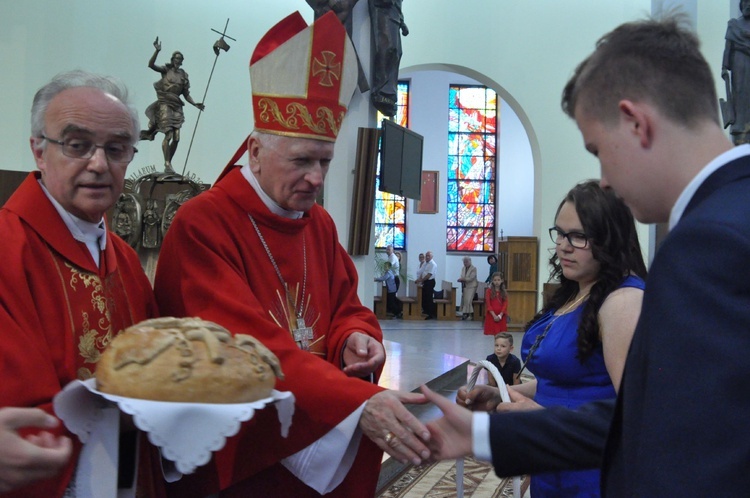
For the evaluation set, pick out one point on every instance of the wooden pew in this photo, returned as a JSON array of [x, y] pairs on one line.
[[478, 303], [446, 307], [380, 303], [412, 301]]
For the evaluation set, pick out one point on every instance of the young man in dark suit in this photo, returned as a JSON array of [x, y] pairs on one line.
[[646, 105]]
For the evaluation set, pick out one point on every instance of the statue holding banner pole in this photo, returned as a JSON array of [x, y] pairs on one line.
[[165, 114]]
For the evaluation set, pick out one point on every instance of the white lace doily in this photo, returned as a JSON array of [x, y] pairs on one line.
[[186, 433]]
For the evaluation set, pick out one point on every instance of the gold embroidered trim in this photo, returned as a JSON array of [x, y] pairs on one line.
[[93, 340], [297, 115]]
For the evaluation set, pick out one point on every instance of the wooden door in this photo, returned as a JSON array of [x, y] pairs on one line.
[[518, 262]]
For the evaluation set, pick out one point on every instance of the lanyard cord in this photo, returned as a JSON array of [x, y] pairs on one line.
[[276, 267], [541, 336]]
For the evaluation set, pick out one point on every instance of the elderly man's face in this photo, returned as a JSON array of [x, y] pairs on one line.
[[291, 170], [86, 188]]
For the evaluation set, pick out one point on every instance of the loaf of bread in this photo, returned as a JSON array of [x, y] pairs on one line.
[[187, 360]]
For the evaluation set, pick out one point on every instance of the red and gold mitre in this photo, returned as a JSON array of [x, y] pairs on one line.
[[303, 77]]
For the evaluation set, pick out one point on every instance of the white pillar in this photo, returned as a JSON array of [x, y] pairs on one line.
[[340, 179]]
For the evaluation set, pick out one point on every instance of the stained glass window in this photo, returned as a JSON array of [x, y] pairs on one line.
[[472, 135], [390, 209]]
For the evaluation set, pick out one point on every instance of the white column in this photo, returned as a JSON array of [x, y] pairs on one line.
[[340, 179]]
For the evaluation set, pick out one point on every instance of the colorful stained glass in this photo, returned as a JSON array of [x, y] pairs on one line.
[[390, 209], [472, 141]]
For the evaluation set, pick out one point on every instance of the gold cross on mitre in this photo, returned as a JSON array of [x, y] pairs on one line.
[[327, 68]]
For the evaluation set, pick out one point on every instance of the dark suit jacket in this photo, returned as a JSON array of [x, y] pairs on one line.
[[680, 425]]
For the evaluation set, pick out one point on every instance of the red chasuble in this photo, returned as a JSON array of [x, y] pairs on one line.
[[58, 310], [213, 265]]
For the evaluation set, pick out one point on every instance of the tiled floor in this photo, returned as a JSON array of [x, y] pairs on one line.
[[419, 351]]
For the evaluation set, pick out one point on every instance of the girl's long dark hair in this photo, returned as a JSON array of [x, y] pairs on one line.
[[610, 229], [503, 287]]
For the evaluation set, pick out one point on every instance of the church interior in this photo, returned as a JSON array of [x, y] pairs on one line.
[[523, 51]]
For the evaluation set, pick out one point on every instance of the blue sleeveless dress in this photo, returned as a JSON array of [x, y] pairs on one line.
[[564, 381]]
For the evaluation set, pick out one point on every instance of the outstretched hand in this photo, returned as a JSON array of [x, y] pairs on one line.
[[450, 436], [518, 403], [387, 422], [157, 44], [363, 355], [35, 457], [482, 398]]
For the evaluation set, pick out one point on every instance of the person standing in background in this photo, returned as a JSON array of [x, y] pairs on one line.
[[393, 305], [395, 262], [420, 268], [469, 285], [496, 306], [418, 277], [427, 280], [492, 261]]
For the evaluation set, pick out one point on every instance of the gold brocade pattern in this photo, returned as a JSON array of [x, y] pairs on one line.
[[96, 331], [298, 115]]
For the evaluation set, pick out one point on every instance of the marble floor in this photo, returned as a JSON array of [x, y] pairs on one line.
[[419, 351]]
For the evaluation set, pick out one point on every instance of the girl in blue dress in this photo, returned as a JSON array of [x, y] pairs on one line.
[[577, 344]]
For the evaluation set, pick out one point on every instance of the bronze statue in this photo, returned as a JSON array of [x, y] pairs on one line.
[[387, 24], [126, 218], [735, 70], [342, 8], [151, 238], [165, 115]]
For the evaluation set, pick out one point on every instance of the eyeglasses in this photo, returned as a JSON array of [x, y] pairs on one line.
[[576, 239], [81, 148]]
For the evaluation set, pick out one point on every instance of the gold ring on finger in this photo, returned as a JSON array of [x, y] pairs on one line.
[[390, 439]]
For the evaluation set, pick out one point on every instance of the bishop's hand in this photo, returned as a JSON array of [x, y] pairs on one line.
[[387, 422], [362, 355]]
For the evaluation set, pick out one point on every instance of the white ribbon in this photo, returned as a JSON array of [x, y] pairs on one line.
[[484, 364]]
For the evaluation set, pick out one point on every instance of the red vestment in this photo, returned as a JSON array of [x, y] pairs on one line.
[[498, 305], [59, 310], [214, 266]]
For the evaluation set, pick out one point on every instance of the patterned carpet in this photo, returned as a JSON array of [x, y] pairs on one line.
[[438, 480]]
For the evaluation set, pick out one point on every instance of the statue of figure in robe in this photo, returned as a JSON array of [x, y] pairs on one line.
[[165, 115], [735, 70], [387, 24]]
